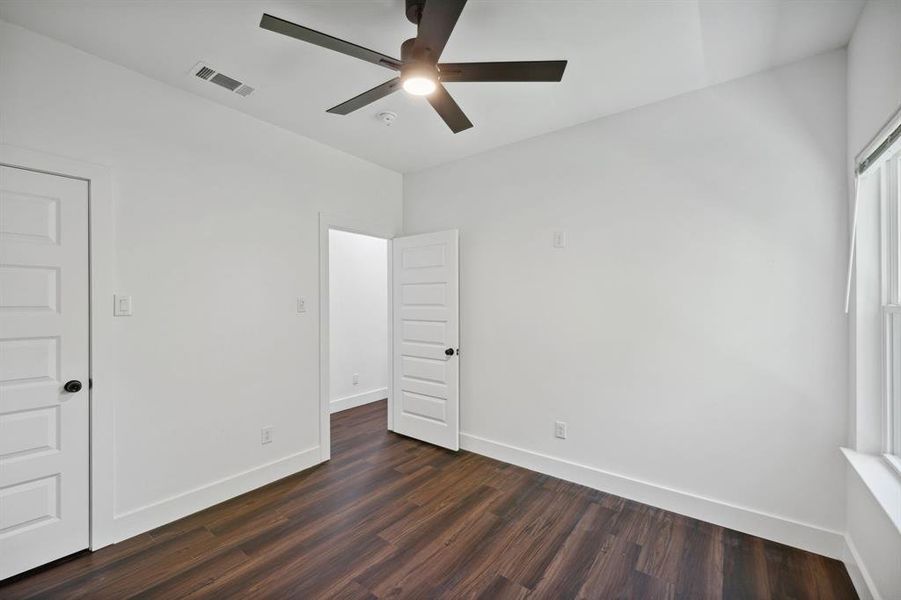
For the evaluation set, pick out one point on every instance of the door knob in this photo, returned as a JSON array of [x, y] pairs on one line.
[[72, 386], [449, 352]]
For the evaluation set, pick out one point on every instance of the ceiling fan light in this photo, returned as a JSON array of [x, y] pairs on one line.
[[419, 86]]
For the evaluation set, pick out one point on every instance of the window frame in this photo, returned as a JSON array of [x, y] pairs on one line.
[[890, 293]]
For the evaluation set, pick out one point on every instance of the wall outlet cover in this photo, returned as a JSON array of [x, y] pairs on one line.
[[266, 435], [560, 430]]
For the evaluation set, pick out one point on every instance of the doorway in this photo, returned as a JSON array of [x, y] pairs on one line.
[[376, 231], [358, 323], [423, 333]]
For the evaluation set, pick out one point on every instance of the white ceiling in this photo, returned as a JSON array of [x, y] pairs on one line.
[[622, 54]]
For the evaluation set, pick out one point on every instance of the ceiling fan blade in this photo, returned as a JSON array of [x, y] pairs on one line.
[[530, 70], [437, 24], [448, 109], [367, 97], [305, 34]]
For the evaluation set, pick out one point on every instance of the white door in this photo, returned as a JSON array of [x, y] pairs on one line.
[[426, 338], [43, 345]]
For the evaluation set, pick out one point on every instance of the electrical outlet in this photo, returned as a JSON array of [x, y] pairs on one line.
[[560, 429], [356, 378], [266, 435]]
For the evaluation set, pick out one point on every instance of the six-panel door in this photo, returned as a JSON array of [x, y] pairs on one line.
[[44, 478]]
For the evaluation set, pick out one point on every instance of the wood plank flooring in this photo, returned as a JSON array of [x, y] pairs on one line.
[[392, 517]]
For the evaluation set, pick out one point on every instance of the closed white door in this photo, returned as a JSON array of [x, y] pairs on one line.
[[43, 351], [425, 277]]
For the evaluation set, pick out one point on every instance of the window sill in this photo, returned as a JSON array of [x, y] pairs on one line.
[[882, 481]]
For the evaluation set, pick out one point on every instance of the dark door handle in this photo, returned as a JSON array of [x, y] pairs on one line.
[[72, 386], [449, 352]]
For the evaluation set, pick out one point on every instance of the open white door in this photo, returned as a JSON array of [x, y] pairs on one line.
[[426, 298], [44, 408]]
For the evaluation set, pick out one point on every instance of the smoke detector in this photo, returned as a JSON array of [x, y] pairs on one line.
[[387, 117], [208, 73]]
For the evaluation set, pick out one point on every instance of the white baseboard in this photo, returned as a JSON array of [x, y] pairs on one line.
[[358, 399], [860, 577], [151, 516], [772, 527]]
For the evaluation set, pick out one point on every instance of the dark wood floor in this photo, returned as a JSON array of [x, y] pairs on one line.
[[392, 517]]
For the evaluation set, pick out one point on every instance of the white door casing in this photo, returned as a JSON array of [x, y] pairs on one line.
[[44, 342], [425, 275]]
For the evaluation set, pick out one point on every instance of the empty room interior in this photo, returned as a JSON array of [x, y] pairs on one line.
[[492, 299]]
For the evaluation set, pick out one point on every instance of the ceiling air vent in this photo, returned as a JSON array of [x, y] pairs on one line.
[[205, 72], [210, 74], [225, 81]]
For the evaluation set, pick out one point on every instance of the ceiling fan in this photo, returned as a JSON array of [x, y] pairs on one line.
[[420, 72]]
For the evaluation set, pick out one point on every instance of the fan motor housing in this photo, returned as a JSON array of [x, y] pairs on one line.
[[409, 52]]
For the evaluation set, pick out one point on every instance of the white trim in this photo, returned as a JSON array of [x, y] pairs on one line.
[[175, 507], [383, 229], [881, 480], [102, 252], [889, 286], [860, 577], [894, 462], [355, 400], [748, 520], [389, 258]]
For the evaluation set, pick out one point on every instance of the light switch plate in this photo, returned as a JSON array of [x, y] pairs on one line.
[[559, 239], [301, 305], [121, 306]]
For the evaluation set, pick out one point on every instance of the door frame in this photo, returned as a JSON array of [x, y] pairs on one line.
[[101, 475], [384, 229]]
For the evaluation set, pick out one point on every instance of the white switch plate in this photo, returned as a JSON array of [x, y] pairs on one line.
[[301, 305], [559, 239], [121, 306], [356, 378], [266, 435], [560, 430]]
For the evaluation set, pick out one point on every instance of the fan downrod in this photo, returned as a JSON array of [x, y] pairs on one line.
[[414, 10]]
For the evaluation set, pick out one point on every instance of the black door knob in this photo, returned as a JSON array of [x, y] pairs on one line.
[[72, 386], [449, 351]]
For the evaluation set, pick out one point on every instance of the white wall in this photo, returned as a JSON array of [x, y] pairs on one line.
[[216, 218], [358, 319], [691, 332], [874, 95]]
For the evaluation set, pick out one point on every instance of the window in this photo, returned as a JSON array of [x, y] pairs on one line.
[[888, 171]]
